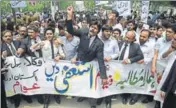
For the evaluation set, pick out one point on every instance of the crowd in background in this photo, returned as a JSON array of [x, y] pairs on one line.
[[73, 36]]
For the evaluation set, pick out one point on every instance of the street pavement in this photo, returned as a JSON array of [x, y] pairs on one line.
[[72, 103]]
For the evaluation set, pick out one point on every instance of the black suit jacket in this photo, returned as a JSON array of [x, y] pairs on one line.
[[170, 82], [17, 44], [89, 54], [27, 43], [135, 52]]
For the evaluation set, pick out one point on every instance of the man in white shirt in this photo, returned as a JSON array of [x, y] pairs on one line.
[[111, 49], [112, 20], [111, 52], [131, 27], [161, 46], [148, 50]]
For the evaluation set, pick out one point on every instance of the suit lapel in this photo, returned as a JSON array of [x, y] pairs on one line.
[[93, 43]]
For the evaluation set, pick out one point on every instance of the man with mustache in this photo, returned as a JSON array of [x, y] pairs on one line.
[[90, 47], [148, 51], [11, 47], [22, 33]]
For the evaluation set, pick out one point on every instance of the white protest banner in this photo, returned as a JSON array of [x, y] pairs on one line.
[[164, 76], [31, 76], [79, 5], [144, 11], [17, 4], [123, 7]]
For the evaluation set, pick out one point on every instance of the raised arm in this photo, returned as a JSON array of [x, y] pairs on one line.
[[69, 23]]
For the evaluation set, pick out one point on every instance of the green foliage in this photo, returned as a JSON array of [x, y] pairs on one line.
[[63, 4], [89, 4]]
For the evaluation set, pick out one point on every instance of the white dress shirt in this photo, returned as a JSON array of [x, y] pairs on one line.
[[111, 48], [148, 51], [126, 56], [38, 40], [162, 45], [47, 50]]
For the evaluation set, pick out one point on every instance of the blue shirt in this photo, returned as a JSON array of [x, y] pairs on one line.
[[70, 47]]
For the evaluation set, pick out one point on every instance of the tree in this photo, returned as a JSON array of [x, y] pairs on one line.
[[89, 4]]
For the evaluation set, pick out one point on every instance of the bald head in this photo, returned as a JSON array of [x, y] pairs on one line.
[[130, 34]]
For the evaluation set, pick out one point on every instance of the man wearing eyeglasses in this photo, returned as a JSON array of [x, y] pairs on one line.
[[161, 53]]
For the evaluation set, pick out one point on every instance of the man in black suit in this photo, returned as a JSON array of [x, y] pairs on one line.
[[130, 52], [30, 42], [169, 88], [90, 47], [12, 48]]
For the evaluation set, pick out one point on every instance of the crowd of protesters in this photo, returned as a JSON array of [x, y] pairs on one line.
[[86, 36]]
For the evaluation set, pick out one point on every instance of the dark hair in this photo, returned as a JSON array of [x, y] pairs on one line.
[[6, 31], [106, 27], [33, 27], [153, 26], [131, 21], [49, 28], [51, 24], [117, 30], [61, 27], [84, 19], [158, 27], [172, 27], [115, 12], [146, 30], [95, 23]]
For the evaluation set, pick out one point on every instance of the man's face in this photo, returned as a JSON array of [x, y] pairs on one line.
[[7, 37], [153, 31], [159, 32], [140, 24], [93, 30], [130, 26], [84, 24], [112, 16], [106, 34], [62, 32], [31, 33], [23, 31], [144, 37], [169, 34], [116, 34], [130, 37]]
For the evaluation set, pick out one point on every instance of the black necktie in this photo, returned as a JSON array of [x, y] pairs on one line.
[[52, 49], [39, 51], [87, 43], [123, 52], [13, 51]]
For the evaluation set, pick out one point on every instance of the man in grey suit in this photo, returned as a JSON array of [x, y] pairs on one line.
[[9, 47], [90, 47], [130, 52]]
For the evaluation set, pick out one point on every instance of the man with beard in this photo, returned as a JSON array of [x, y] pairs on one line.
[[148, 50], [90, 47], [131, 27], [162, 45], [22, 33], [11, 47], [139, 27]]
